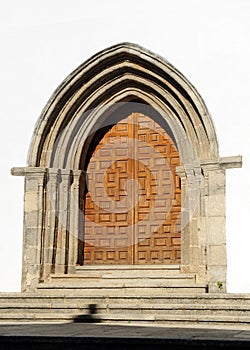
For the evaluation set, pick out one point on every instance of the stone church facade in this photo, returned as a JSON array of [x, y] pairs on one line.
[[124, 169]]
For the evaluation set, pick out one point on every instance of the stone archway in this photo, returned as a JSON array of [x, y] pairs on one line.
[[122, 73]]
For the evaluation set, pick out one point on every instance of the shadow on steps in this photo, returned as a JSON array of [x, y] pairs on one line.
[[89, 317]]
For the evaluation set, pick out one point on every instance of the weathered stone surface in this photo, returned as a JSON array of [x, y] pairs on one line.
[[217, 255], [31, 184], [218, 275], [215, 205], [31, 218], [31, 202], [31, 237], [217, 230], [216, 183]]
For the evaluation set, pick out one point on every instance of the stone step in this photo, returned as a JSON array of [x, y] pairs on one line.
[[128, 267], [175, 319], [120, 287], [67, 278], [87, 298], [110, 292], [171, 309], [112, 280], [127, 270], [128, 309], [125, 274], [166, 319], [178, 309], [120, 283]]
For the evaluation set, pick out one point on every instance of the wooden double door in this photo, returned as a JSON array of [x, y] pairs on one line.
[[133, 196]]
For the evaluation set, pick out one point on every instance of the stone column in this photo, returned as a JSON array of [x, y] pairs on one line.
[[185, 238], [74, 221], [215, 219], [51, 220], [192, 253], [62, 241], [33, 224], [215, 225]]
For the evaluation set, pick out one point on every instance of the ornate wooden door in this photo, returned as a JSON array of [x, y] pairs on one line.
[[133, 196]]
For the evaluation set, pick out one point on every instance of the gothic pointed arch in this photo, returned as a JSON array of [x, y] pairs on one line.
[[118, 77], [122, 72]]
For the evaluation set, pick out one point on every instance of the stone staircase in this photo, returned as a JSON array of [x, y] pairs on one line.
[[144, 295], [121, 280]]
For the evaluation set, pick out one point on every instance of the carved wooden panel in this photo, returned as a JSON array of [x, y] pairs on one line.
[[133, 201]]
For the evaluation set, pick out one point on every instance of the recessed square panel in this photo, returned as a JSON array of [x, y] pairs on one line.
[[111, 139], [142, 137], [111, 177], [176, 241], [123, 139], [167, 254], [99, 192], [144, 242], [144, 150], [99, 178], [121, 243], [154, 255], [105, 152], [105, 217], [104, 243], [98, 255], [121, 217], [111, 230], [123, 255], [161, 203], [89, 242], [154, 137], [119, 152], [121, 127], [142, 255], [160, 242]]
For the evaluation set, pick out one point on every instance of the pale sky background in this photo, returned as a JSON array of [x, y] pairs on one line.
[[43, 41]]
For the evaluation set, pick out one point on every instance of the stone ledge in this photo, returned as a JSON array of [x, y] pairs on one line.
[[231, 162]]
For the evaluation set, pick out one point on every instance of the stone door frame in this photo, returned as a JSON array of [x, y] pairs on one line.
[[121, 74]]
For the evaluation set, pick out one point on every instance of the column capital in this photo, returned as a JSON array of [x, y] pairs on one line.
[[78, 172], [188, 170], [65, 172], [53, 171]]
